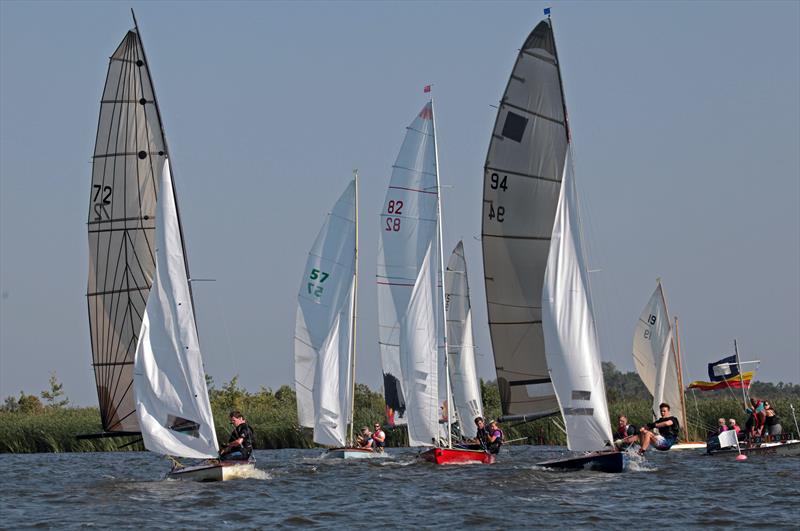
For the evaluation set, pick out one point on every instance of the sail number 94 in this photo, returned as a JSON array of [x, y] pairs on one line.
[[498, 182], [314, 288], [498, 213]]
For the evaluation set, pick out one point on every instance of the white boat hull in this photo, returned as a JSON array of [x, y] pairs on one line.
[[352, 453], [215, 471]]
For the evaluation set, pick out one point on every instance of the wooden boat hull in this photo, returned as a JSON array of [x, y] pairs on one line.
[[445, 456], [215, 471], [790, 448], [612, 461], [352, 453]]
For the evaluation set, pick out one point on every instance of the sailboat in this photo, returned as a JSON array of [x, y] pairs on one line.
[[467, 400], [656, 355], [325, 330], [410, 267], [146, 356], [540, 317]]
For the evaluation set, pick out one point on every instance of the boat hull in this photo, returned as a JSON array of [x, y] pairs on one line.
[[606, 461], [688, 446], [352, 453], [790, 448], [216, 471], [445, 456]]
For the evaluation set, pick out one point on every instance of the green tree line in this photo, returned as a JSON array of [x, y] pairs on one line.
[[46, 423]]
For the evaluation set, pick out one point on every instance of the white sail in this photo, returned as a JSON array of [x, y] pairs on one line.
[[322, 329], [418, 358], [522, 179], [169, 380], [571, 346], [408, 228], [461, 347], [654, 355]]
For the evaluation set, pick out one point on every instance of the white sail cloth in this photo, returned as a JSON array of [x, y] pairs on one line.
[[419, 359], [323, 325], [571, 346], [169, 380], [408, 228], [460, 346], [654, 355]]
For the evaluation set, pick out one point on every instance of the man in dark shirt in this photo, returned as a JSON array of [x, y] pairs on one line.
[[240, 443], [668, 430], [481, 436]]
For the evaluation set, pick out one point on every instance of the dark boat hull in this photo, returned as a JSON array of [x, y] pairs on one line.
[[607, 461], [446, 456], [790, 448]]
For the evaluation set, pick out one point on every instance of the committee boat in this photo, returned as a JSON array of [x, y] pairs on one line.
[[145, 351], [657, 358], [540, 317]]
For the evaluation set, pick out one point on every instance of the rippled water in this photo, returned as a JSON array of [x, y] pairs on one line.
[[295, 488]]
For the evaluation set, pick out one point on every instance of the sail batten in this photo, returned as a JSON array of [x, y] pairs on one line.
[[529, 142]]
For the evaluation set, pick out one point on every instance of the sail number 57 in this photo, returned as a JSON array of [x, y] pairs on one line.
[[314, 288]]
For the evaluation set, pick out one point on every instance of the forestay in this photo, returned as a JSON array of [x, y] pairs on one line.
[[419, 358], [323, 326], [570, 336], [408, 230], [654, 355], [461, 347], [169, 380], [522, 179], [129, 155]]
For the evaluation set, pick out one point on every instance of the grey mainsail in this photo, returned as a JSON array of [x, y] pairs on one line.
[[129, 156], [522, 181]]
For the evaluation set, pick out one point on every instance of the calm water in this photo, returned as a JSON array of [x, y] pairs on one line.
[[294, 488]]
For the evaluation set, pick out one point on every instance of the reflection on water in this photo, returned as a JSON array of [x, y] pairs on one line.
[[297, 488]]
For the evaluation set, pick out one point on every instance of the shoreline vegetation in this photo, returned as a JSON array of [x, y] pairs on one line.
[[30, 425]]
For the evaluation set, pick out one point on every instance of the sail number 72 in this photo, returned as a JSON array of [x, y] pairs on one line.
[[102, 197], [314, 288]]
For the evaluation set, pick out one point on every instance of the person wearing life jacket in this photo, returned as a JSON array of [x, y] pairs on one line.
[[481, 437], [240, 443], [494, 438], [626, 434], [378, 438]]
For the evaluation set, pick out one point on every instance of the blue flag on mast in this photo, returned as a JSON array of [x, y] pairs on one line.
[[723, 369], [547, 11]]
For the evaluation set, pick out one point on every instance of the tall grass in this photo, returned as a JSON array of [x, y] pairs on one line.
[[273, 416]]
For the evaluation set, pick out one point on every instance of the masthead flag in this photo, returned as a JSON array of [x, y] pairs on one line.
[[723, 369], [426, 89]]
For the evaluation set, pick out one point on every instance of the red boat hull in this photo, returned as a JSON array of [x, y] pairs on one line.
[[445, 456]]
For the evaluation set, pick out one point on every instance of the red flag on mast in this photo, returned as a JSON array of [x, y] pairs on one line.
[[426, 89]]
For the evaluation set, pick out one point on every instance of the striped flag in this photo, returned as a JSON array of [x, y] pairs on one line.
[[736, 382]]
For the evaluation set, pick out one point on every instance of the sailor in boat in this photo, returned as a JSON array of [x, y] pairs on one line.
[[733, 426], [240, 443], [378, 438], [772, 423], [668, 430], [626, 434], [364, 439], [494, 438]]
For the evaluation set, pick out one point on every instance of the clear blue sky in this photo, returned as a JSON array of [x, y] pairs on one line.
[[685, 116]]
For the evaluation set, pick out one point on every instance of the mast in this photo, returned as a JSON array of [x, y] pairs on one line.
[[169, 161], [449, 396], [679, 367], [353, 316], [739, 366]]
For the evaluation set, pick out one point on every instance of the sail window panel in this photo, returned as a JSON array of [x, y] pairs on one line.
[[519, 400], [534, 86], [525, 208], [514, 126], [514, 275], [540, 154]]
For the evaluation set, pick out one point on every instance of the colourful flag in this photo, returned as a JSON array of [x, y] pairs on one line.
[[723, 369], [426, 89], [736, 382]]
